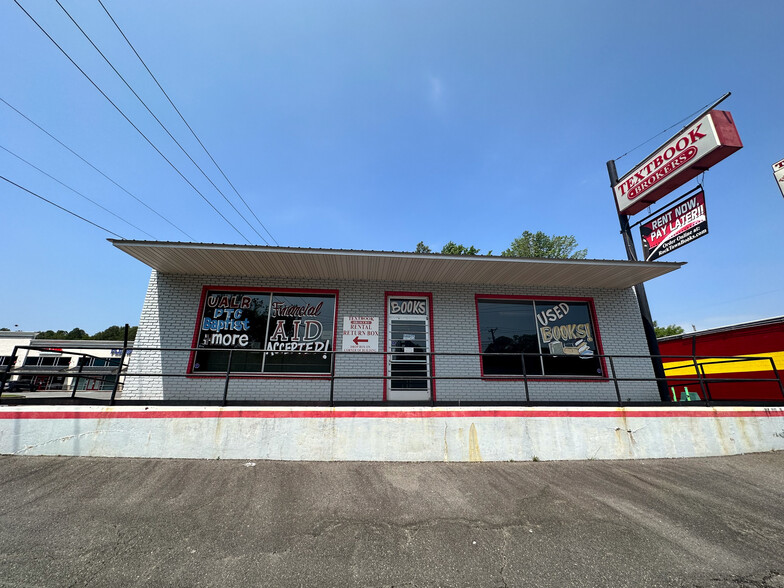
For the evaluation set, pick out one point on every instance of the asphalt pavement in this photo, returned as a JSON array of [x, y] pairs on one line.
[[714, 523]]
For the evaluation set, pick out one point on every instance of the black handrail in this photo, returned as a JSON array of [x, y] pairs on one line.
[[120, 371]]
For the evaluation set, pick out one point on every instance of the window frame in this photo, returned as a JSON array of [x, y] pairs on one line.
[[424, 295], [58, 361], [267, 375], [603, 377]]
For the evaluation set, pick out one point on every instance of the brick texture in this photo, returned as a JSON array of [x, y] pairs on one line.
[[171, 309]]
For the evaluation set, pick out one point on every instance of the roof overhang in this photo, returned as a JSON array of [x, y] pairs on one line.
[[337, 264]]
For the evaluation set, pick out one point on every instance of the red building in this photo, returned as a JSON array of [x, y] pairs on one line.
[[747, 351]]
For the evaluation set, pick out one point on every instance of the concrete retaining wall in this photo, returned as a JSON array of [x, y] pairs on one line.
[[390, 434]]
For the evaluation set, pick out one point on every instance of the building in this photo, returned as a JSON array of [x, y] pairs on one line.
[[57, 364], [314, 325], [748, 351]]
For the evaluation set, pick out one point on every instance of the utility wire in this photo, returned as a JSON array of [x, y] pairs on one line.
[[143, 103], [692, 115], [139, 200], [61, 208], [186, 122], [131, 123], [51, 177]]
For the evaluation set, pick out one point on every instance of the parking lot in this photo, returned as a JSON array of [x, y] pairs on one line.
[[44, 394], [715, 522]]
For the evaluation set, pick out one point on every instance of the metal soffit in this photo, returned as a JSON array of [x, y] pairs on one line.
[[340, 264]]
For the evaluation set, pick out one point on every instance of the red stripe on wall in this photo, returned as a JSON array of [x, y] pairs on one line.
[[379, 414]]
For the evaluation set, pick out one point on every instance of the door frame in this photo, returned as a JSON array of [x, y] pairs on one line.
[[429, 297]]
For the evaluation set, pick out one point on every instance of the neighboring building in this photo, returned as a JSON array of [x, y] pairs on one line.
[[279, 312], [10, 340], [59, 362], [721, 351]]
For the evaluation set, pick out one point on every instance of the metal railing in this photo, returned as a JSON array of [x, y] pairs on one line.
[[24, 374], [524, 380]]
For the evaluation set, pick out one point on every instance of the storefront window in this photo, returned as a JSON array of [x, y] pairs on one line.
[[46, 360], [508, 327], [562, 331], [292, 331]]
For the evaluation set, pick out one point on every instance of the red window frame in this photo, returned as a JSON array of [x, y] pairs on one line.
[[594, 323], [276, 376]]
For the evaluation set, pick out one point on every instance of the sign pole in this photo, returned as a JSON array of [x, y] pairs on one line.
[[642, 298]]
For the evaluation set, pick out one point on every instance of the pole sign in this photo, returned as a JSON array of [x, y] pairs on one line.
[[699, 146], [360, 333], [675, 227], [778, 173]]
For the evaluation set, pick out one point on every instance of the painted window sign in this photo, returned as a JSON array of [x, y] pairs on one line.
[[407, 306], [560, 334], [268, 332], [561, 331], [225, 320]]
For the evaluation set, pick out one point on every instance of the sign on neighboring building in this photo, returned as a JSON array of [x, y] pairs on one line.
[[675, 227], [702, 144], [778, 173], [360, 333]]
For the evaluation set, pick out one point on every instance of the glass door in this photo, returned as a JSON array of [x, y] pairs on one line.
[[408, 338]]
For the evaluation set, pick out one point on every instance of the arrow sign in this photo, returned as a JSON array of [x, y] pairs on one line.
[[360, 334]]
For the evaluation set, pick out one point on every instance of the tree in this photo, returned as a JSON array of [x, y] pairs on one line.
[[453, 248], [540, 245], [52, 334], [113, 333], [450, 248], [77, 334], [5, 329], [666, 331]]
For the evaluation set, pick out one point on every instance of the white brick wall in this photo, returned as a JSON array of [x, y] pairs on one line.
[[171, 309]]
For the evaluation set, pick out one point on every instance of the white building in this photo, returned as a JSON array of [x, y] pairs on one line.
[[57, 364], [267, 324]]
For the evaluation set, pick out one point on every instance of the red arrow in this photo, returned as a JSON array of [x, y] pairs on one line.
[[357, 340]]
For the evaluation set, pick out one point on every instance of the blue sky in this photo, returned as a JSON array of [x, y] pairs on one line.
[[376, 125]]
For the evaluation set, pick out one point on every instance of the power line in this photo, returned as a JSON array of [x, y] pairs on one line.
[[139, 200], [143, 103], [61, 208], [186, 122], [174, 167], [692, 115], [51, 177]]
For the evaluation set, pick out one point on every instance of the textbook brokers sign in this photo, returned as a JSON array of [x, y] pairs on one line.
[[778, 173], [702, 144], [675, 228]]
